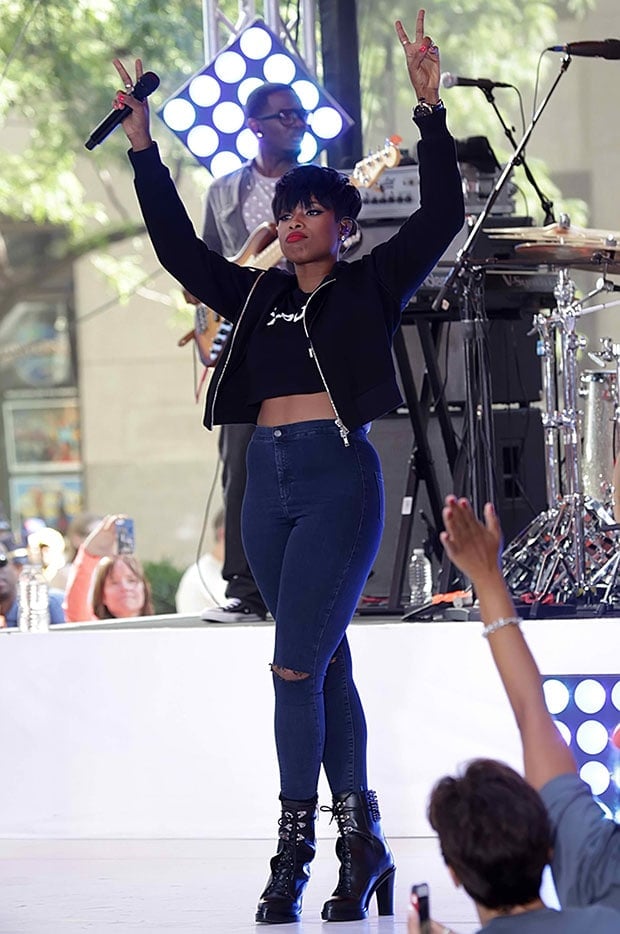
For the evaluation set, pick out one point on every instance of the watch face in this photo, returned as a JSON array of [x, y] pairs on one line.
[[422, 110]]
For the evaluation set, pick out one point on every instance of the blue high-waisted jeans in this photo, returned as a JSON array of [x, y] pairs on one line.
[[312, 520]]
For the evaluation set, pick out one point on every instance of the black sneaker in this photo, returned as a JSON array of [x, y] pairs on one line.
[[233, 611]]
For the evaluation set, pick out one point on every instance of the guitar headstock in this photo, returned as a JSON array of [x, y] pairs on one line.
[[367, 170]]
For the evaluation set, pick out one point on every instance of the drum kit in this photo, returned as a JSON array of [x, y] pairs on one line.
[[570, 553]]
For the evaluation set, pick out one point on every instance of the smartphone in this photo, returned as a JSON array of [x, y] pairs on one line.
[[125, 541], [420, 897]]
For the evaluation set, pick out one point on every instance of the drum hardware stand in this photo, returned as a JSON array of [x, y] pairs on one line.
[[549, 557]]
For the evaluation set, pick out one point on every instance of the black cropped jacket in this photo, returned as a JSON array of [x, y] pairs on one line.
[[350, 318]]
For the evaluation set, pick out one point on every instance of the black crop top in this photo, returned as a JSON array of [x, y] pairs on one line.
[[278, 354]]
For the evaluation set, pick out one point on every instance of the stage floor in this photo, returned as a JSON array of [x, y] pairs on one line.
[[192, 887], [139, 780], [166, 731]]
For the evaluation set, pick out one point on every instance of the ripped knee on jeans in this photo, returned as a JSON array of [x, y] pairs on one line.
[[289, 674]]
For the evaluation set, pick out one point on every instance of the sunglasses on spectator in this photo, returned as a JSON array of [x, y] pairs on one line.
[[287, 117]]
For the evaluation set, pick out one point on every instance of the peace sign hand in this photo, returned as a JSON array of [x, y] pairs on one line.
[[422, 60]]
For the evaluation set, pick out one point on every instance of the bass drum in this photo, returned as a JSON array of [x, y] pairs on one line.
[[600, 390]]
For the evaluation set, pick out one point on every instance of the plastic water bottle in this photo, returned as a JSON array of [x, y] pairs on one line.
[[34, 611], [420, 579]]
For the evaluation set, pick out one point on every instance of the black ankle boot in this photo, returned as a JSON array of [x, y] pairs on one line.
[[366, 861], [290, 871]]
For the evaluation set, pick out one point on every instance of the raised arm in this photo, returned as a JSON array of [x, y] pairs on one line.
[[100, 543], [475, 548]]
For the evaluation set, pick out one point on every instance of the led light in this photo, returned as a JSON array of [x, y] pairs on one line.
[[228, 117], [307, 93], [564, 731], [179, 114], [224, 162], [255, 42], [589, 712], [246, 87], [202, 141], [213, 99], [326, 122], [247, 144], [592, 737], [556, 695], [230, 67], [204, 90], [309, 148], [590, 695], [597, 777], [279, 69]]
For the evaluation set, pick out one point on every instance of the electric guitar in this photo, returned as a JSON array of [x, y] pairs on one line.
[[262, 251]]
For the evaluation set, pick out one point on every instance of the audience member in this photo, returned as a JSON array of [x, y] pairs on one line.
[[202, 584], [104, 584], [46, 547], [495, 838], [586, 844], [10, 569]]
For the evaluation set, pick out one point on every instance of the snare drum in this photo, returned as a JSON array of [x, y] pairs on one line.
[[600, 390]]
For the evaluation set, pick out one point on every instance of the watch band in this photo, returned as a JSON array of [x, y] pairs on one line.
[[424, 109]]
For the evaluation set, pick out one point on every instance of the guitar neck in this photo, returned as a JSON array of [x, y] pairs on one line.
[[270, 256]]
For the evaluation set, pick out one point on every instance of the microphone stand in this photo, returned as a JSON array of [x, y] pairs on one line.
[[478, 446], [545, 203], [464, 254]]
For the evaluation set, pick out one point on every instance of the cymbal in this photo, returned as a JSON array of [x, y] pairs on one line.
[[557, 233], [591, 255]]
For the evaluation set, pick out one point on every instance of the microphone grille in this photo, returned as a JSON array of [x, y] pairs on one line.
[[447, 80], [146, 85]]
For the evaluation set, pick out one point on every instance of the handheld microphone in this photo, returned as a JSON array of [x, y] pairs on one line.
[[605, 48], [453, 81], [142, 88]]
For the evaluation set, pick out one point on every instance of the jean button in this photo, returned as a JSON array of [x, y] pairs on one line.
[[277, 433]]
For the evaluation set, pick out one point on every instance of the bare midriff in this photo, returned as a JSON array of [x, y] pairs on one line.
[[284, 410]]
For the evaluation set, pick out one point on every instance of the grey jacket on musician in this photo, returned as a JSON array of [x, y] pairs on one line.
[[224, 228]]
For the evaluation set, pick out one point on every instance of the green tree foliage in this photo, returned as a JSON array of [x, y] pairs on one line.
[[57, 81], [499, 39]]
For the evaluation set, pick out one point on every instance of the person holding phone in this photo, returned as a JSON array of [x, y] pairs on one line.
[[586, 844], [495, 838], [309, 362], [106, 580]]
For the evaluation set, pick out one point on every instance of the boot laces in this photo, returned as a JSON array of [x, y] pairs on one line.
[[291, 826]]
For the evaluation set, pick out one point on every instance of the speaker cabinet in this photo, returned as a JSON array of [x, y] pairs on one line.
[[518, 469]]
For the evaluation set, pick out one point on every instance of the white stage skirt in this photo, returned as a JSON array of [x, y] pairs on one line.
[[165, 730]]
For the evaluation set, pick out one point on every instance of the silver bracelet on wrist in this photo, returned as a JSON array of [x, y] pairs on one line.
[[500, 623]]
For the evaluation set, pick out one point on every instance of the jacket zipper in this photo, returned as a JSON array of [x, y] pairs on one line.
[[342, 428], [230, 349]]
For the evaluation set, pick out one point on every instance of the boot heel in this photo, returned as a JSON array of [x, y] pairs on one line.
[[385, 894]]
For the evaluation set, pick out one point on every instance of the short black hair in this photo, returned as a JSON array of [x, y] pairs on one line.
[[258, 99], [330, 188], [494, 833]]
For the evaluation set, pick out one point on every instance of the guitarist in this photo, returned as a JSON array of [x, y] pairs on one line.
[[236, 204]]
